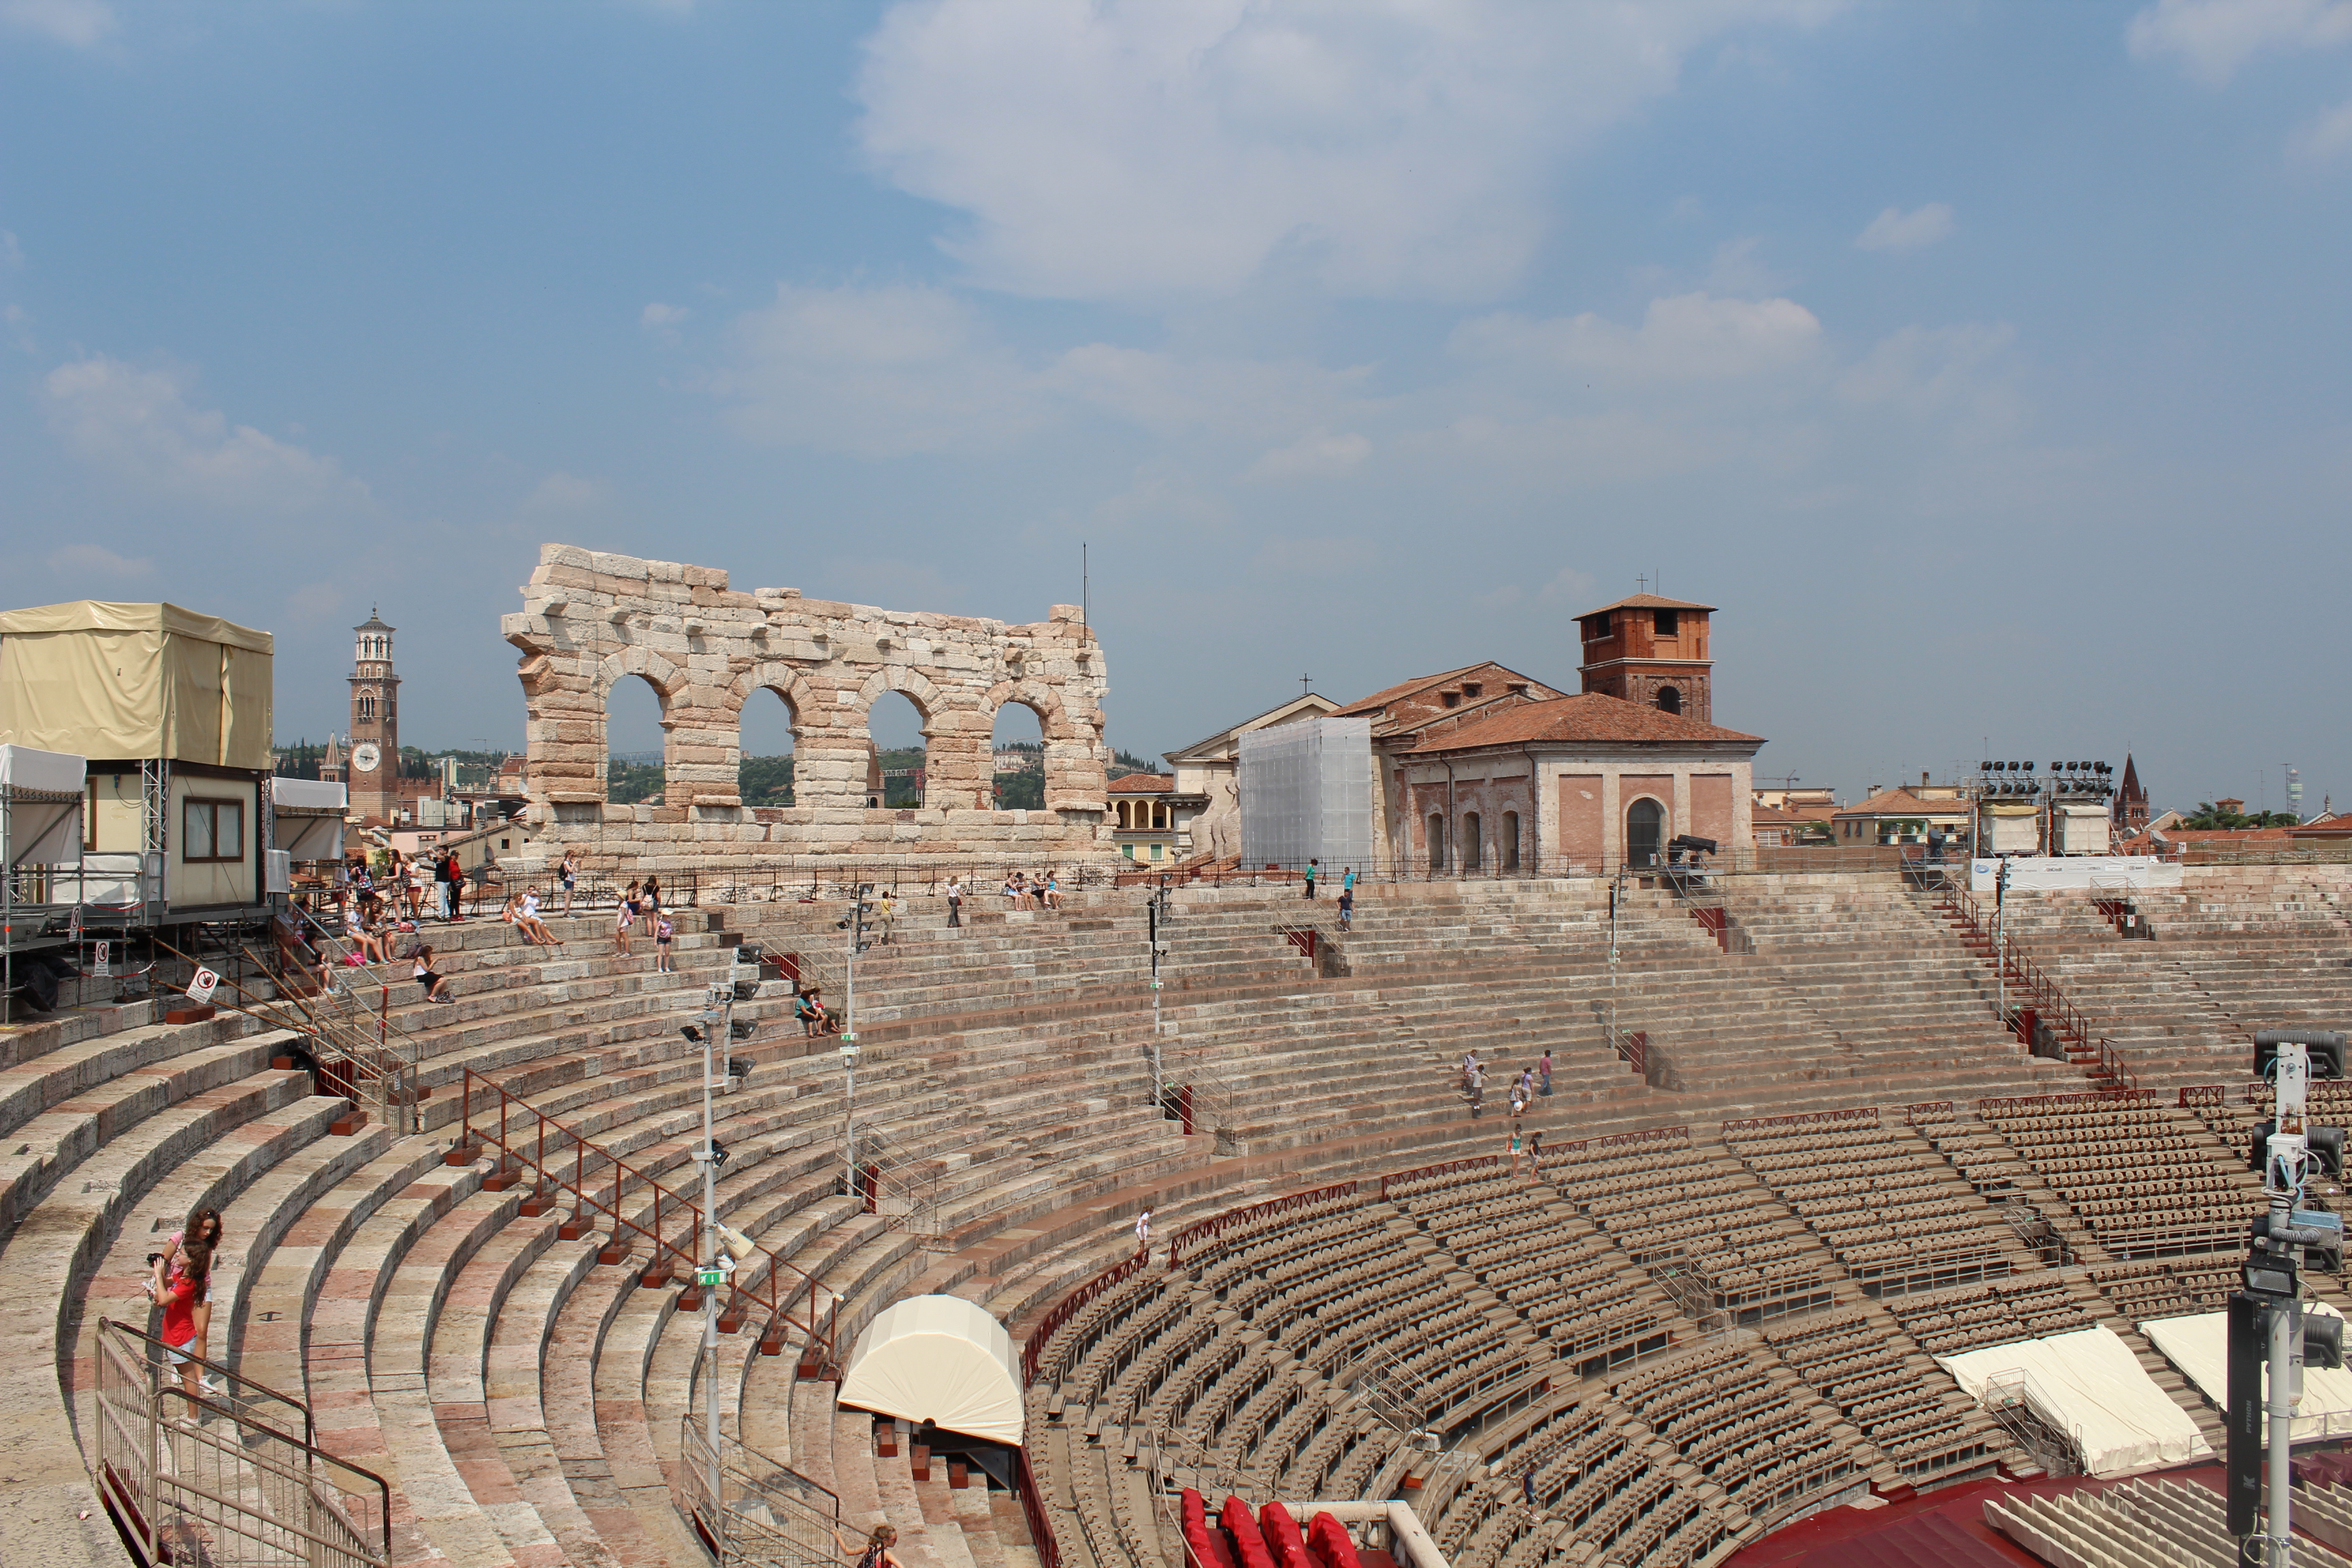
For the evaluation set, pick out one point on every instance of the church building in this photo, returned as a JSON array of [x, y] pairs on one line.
[[1485, 770]]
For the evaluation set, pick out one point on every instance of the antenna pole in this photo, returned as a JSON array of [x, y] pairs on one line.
[[1084, 586]]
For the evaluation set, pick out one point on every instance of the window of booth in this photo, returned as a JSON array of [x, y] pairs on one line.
[[211, 831]]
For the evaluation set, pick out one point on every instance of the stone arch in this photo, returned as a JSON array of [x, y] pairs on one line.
[[953, 756], [1648, 820], [1074, 770], [668, 683], [789, 684]]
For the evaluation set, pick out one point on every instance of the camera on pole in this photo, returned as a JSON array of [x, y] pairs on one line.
[[2266, 1323]]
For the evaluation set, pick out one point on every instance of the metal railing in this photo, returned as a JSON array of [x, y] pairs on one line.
[[197, 1479], [889, 1183], [1032, 1511], [766, 1515], [2041, 996], [561, 1162]]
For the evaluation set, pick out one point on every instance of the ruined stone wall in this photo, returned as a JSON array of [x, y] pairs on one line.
[[591, 620]]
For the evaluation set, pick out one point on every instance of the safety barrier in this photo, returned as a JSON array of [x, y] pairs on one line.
[[764, 1514], [192, 1478], [2040, 999], [1621, 1140], [522, 1136], [2009, 1104], [1069, 1307], [1033, 1511]]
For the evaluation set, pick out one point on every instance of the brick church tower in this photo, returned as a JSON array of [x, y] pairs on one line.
[[1652, 651], [375, 758]]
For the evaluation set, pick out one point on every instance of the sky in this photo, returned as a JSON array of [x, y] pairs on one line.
[[1983, 363]]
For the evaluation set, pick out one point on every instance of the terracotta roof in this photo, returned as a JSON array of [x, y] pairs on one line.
[[2228, 835], [1590, 716], [1647, 602], [1141, 783], [1901, 802], [1382, 699], [2339, 822]]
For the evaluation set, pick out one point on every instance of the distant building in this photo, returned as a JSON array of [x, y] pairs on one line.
[[1154, 820], [375, 760], [1904, 815], [2131, 802], [1209, 769], [1652, 651]]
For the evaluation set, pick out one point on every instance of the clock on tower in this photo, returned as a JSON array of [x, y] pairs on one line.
[[374, 775]]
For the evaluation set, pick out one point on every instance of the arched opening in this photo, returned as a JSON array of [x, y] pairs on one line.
[[894, 768], [634, 742], [1645, 827], [764, 774], [1437, 841], [1510, 845], [1017, 763], [1670, 700], [1473, 847]]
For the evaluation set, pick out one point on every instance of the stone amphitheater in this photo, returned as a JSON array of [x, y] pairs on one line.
[[1708, 1307]]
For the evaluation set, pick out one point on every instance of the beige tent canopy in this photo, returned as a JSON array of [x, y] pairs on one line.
[[939, 1359], [125, 681]]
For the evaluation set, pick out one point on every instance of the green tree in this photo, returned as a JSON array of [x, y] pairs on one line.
[[632, 784], [765, 780]]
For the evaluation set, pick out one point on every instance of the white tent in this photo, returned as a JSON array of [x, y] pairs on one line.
[[939, 1359], [2199, 1345], [309, 818], [2092, 1387], [41, 792]]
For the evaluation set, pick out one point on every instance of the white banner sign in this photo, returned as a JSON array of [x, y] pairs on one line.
[[200, 989], [102, 963]]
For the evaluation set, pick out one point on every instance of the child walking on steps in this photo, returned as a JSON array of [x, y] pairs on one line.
[[662, 932]]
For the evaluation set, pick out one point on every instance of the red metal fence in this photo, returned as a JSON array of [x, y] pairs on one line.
[[598, 1181], [1443, 1168]]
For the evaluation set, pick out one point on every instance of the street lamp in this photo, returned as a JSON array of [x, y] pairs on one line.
[[854, 925], [714, 1031]]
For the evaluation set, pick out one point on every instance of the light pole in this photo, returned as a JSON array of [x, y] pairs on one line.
[[1159, 1082], [717, 1029], [855, 926]]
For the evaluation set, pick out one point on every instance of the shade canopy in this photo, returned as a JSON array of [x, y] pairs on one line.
[[120, 682], [939, 1359], [2199, 1345], [41, 796], [2090, 1385]]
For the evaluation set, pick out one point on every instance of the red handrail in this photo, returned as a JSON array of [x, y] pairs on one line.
[[1266, 1210], [527, 1146]]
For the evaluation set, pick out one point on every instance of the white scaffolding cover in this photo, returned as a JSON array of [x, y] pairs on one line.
[[2097, 1392], [41, 792], [2199, 1345], [939, 1359], [1306, 794]]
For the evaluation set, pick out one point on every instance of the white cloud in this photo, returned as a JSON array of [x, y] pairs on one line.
[[97, 561], [1317, 457], [657, 314], [1687, 338], [1894, 230], [877, 373], [1567, 586], [2328, 137], [78, 23], [12, 251], [1315, 557], [2211, 39], [1130, 149], [560, 491], [140, 427]]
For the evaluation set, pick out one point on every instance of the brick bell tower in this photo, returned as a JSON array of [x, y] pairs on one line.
[[1652, 651], [375, 760]]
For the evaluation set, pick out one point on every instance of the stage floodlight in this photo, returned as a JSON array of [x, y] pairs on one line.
[[692, 1033], [2322, 1341], [2327, 1145], [2268, 1274], [2325, 1048]]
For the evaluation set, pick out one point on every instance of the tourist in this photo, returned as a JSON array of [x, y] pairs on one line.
[[886, 915], [876, 1553], [625, 916], [185, 1296], [1313, 868], [955, 900], [651, 897], [435, 987], [1527, 1485], [819, 1020], [1514, 1141], [1143, 1237], [1475, 1083], [811, 1015], [663, 932], [456, 887], [420, 878], [1535, 1154], [522, 912], [444, 868], [1012, 888], [1348, 880], [1053, 891], [1347, 907], [364, 946], [1545, 1067], [570, 872], [1518, 1102]]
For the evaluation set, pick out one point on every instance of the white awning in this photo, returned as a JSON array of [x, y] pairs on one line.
[[939, 1359], [307, 794], [42, 794], [2094, 1389], [2199, 1345]]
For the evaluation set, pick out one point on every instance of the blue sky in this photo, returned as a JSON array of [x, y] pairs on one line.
[[1984, 362]]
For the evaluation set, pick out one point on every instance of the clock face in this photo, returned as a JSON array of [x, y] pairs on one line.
[[364, 756]]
